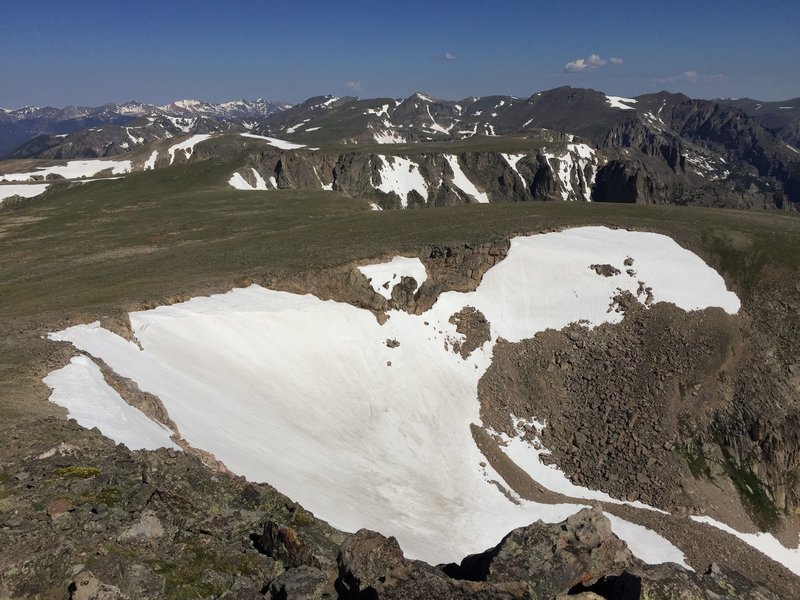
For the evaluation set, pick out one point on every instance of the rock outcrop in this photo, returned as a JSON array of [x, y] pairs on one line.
[[580, 557]]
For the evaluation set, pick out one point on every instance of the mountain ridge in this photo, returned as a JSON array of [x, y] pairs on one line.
[[28, 123], [655, 148]]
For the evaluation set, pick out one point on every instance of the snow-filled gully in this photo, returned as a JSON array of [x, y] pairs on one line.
[[307, 394]]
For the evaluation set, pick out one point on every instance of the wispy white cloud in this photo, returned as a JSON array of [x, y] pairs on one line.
[[614, 60], [449, 56], [594, 60], [690, 76], [576, 66], [353, 86], [590, 63]]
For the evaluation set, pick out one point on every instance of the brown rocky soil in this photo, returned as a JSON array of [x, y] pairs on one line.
[[621, 400], [472, 324]]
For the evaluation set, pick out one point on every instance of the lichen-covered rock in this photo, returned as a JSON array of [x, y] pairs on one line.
[[555, 558], [372, 567], [301, 583]]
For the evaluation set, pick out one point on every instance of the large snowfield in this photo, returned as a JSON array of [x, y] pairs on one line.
[[307, 395], [74, 169]]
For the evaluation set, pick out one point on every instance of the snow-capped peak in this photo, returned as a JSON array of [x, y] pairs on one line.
[[423, 97], [189, 104]]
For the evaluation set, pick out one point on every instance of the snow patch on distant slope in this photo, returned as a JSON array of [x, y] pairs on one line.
[[513, 160], [81, 389], [388, 136], [704, 166], [382, 111], [294, 128], [25, 190], [183, 124], [238, 181], [570, 166], [621, 103], [260, 183], [282, 144], [187, 146], [763, 542], [150, 163], [74, 169], [400, 175], [434, 125], [384, 276], [136, 140], [461, 181]]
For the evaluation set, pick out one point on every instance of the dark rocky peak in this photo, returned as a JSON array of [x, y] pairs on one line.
[[662, 97], [326, 102]]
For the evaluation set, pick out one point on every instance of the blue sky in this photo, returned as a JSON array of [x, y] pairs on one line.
[[88, 52]]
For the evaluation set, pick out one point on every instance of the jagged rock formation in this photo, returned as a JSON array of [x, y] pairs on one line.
[[712, 399], [782, 118], [580, 557], [86, 519], [559, 173]]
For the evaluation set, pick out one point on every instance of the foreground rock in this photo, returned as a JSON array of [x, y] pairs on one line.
[[580, 557], [83, 519]]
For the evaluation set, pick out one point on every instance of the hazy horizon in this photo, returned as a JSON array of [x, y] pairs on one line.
[[94, 52], [282, 100]]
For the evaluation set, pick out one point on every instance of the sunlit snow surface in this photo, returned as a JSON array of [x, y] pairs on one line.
[[305, 394], [281, 144], [25, 190], [384, 276], [401, 175], [187, 146], [74, 169], [461, 181], [240, 183], [82, 390], [621, 103], [763, 542], [150, 163]]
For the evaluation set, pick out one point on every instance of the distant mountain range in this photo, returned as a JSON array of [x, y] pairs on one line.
[[579, 143], [782, 118], [655, 148], [52, 125]]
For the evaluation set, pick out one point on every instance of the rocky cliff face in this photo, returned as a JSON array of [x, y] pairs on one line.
[[427, 179], [578, 558], [712, 399], [661, 170], [715, 155]]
